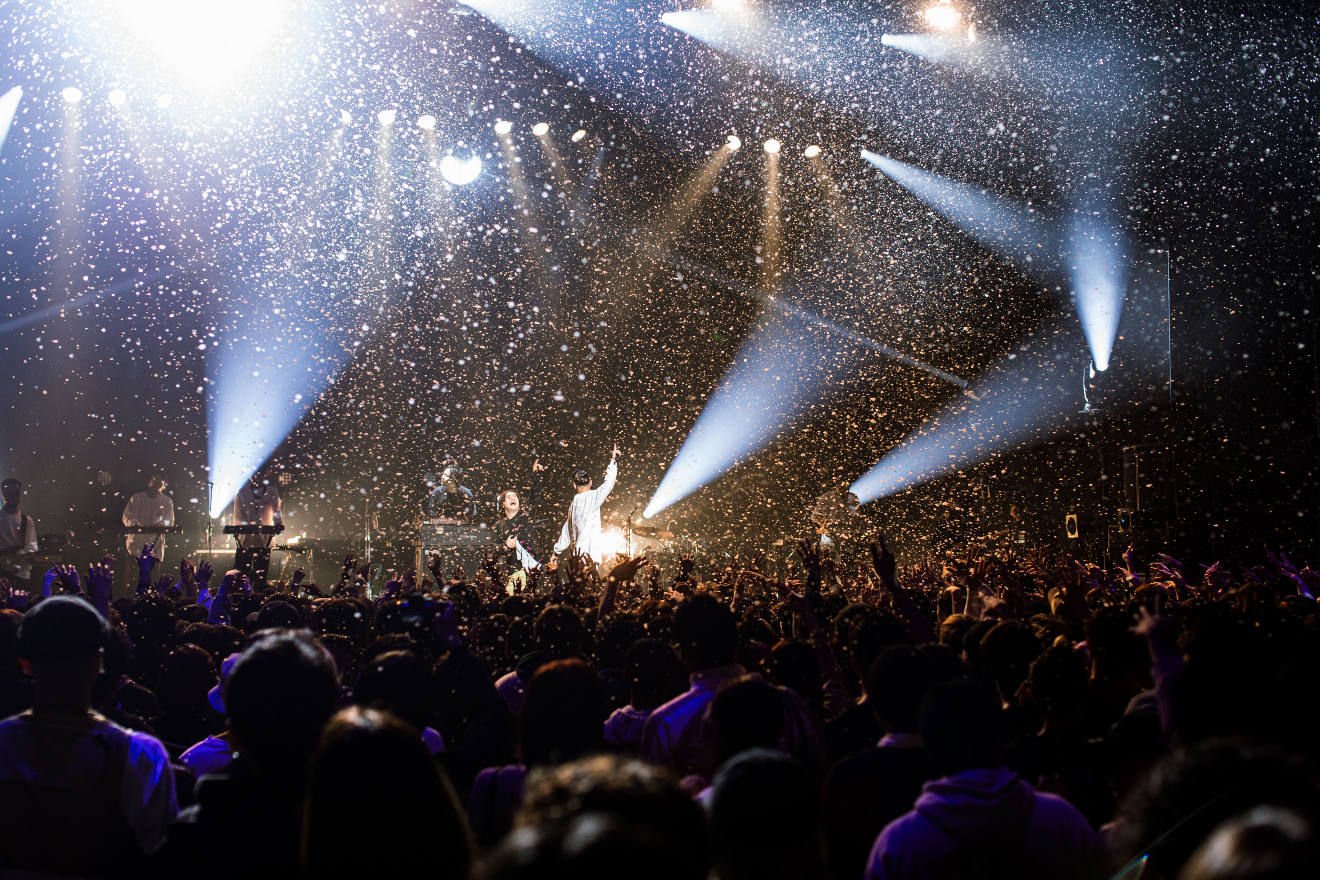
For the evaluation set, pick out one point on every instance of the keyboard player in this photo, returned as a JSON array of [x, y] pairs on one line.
[[256, 504], [147, 517]]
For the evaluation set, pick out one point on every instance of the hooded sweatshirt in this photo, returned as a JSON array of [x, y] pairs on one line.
[[982, 824]]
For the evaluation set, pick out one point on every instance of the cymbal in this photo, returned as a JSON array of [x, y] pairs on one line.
[[653, 532]]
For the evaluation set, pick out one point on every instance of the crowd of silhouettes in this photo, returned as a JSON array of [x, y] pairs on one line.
[[992, 713]]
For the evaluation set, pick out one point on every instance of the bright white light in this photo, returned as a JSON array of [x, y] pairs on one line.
[[612, 542], [578, 135], [387, 117], [72, 94], [942, 17], [205, 45], [541, 129], [728, 5], [345, 118], [772, 146], [734, 143], [8, 107], [117, 97], [163, 101], [504, 126], [812, 151], [460, 172], [426, 122]]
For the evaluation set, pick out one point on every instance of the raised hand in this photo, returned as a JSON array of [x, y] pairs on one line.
[[18, 600], [626, 570], [537, 467], [1280, 561], [48, 582], [614, 454], [100, 582], [204, 572], [979, 571], [810, 560], [227, 583], [885, 564], [146, 560]]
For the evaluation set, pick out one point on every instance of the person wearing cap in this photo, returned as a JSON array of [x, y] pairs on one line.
[[277, 697], [79, 796], [216, 752]]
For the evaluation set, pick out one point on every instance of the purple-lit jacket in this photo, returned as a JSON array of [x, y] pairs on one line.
[[677, 735], [985, 823]]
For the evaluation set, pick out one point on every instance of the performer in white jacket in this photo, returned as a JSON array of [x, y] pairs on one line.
[[581, 529]]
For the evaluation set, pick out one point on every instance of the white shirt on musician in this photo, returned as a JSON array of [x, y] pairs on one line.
[[582, 529], [144, 510], [10, 526]]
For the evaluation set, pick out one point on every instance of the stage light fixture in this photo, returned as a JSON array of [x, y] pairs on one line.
[[460, 172], [578, 135], [387, 117], [942, 17], [117, 97], [541, 129], [734, 143], [426, 122], [345, 118], [72, 94], [812, 151], [503, 126], [772, 146]]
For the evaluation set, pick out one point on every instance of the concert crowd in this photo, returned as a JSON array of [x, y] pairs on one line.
[[997, 712]]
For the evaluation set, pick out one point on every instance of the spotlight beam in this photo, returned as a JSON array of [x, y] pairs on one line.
[[61, 309], [8, 109], [1018, 234], [779, 304], [524, 210], [1024, 399], [780, 369], [1087, 246], [771, 236]]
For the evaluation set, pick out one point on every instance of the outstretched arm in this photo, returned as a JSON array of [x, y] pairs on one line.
[[601, 492], [562, 544]]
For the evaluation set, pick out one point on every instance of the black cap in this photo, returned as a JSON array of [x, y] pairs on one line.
[[61, 629]]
